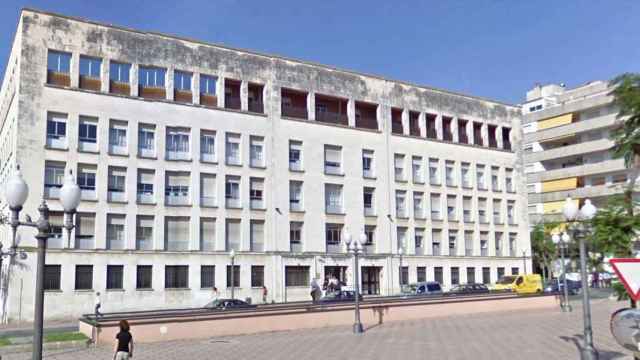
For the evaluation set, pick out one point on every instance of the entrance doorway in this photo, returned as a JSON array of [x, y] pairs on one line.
[[371, 280], [339, 272]]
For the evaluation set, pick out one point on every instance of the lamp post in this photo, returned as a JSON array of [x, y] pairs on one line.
[[524, 261], [356, 247], [16, 193], [400, 253], [232, 255], [578, 217], [562, 242]]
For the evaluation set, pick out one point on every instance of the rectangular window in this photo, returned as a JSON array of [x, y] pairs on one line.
[[207, 146], [513, 244], [401, 204], [333, 198], [455, 276], [144, 232], [257, 276], [86, 180], [401, 237], [486, 275], [59, 62], [295, 195], [295, 235], [498, 243], [435, 207], [233, 279], [418, 205], [452, 214], [257, 235], [453, 242], [368, 194], [182, 81], [178, 144], [118, 137], [436, 239], [116, 184], [515, 271], [207, 276], [495, 178], [398, 161], [511, 215], [88, 134], [208, 85], [295, 155], [85, 231], [208, 190], [368, 170], [116, 235], [176, 233], [146, 140], [296, 275], [434, 172], [482, 210], [90, 67], [500, 272], [370, 232], [232, 149], [438, 275], [421, 274], [144, 186], [466, 209], [468, 243], [404, 275], [450, 173], [471, 275], [53, 178], [207, 234], [56, 239], [480, 177], [176, 277], [151, 77], [114, 277], [256, 151], [256, 193], [465, 175], [57, 130], [176, 188], [497, 211], [119, 72], [333, 234], [232, 191], [84, 277], [419, 240], [52, 277], [232, 234], [509, 180], [332, 160], [144, 276]]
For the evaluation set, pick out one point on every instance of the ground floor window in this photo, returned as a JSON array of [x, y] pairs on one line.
[[143, 277], [84, 277], [114, 277], [515, 271], [296, 275], [500, 273], [455, 276], [404, 275], [471, 275], [207, 276], [176, 277], [486, 275], [236, 276], [421, 274], [257, 276], [52, 277], [438, 275]]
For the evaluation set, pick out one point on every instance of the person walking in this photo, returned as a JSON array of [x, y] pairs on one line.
[[216, 294], [264, 294], [98, 305], [123, 346]]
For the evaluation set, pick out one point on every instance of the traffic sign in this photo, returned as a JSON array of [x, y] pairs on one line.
[[628, 271]]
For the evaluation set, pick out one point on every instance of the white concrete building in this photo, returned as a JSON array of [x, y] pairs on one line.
[[568, 147], [186, 150]]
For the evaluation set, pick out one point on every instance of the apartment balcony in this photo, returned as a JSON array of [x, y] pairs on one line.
[[52, 191], [334, 209], [602, 167], [297, 112], [58, 78], [146, 152], [600, 122], [145, 198], [88, 194], [369, 211], [332, 117], [208, 157], [435, 250], [87, 146], [90, 83], [57, 142], [207, 201], [295, 205], [115, 149], [368, 173], [152, 92], [295, 247], [233, 160], [208, 100], [484, 252], [331, 169], [183, 96], [178, 155], [570, 150], [295, 165], [120, 88], [578, 193], [256, 106], [366, 115], [334, 248], [116, 196], [233, 203], [232, 102], [257, 204], [177, 200]]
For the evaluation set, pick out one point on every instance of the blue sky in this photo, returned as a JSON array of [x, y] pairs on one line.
[[491, 48]]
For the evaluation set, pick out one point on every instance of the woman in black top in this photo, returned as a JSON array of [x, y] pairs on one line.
[[123, 346]]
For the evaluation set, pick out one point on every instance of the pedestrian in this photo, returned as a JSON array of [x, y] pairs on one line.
[[98, 305], [123, 346], [315, 288], [215, 293], [264, 294]]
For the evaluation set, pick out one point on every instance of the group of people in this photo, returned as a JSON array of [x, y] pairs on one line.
[[329, 285]]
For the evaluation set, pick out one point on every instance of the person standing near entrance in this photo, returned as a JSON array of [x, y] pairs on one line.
[[123, 346], [264, 294], [98, 305]]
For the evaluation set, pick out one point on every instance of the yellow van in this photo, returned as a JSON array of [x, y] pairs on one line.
[[505, 283], [528, 284]]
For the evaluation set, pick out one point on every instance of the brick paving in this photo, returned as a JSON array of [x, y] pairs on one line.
[[540, 334]]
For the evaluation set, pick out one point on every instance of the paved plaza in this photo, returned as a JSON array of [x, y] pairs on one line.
[[540, 334]]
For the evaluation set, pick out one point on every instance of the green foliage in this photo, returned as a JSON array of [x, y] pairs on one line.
[[64, 336], [4, 341], [627, 98], [620, 291], [614, 229], [543, 249]]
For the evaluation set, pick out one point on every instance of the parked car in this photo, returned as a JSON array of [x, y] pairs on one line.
[[340, 296], [229, 304], [528, 284], [573, 286], [469, 289], [427, 288]]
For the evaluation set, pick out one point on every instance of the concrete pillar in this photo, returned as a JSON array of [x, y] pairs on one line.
[[195, 88], [194, 223], [405, 121], [74, 72], [351, 112], [244, 95], [499, 137], [220, 91], [485, 134], [169, 83], [383, 114], [454, 129], [422, 123], [311, 105], [104, 75], [439, 131], [158, 221], [133, 80], [130, 222], [470, 131]]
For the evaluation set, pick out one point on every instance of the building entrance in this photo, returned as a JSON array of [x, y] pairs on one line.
[[370, 280]]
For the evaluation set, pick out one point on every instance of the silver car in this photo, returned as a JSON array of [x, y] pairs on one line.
[[426, 288]]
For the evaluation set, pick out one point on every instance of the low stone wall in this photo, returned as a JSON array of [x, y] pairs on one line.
[[220, 324]]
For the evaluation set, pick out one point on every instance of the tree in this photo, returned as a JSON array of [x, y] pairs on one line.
[[543, 249]]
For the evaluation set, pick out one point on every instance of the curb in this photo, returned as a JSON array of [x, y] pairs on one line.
[[56, 345]]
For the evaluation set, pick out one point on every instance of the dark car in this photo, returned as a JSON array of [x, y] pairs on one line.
[[229, 304], [573, 287], [340, 296], [469, 289]]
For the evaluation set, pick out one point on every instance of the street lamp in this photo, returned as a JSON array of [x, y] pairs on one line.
[[232, 255], [16, 193], [579, 218], [562, 242], [356, 247], [400, 253]]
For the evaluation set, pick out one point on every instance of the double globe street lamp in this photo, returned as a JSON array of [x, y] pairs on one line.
[[356, 247], [562, 241], [578, 220], [16, 193]]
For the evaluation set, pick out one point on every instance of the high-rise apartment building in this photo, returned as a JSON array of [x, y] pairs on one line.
[[186, 150]]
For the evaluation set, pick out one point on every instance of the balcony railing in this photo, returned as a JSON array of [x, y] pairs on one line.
[[295, 247], [332, 169], [58, 78], [178, 155], [232, 102], [207, 201], [233, 203], [208, 100], [57, 142], [257, 204], [116, 149], [256, 106], [369, 211], [145, 198], [334, 209], [87, 146], [183, 96], [90, 83], [88, 194], [176, 199], [295, 112], [116, 196], [207, 157], [332, 117], [52, 191], [295, 165], [364, 122], [121, 88], [152, 92]]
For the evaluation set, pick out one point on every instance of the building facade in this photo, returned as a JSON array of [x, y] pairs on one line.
[[186, 150], [568, 148]]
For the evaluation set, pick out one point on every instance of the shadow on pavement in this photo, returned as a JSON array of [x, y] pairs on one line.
[[604, 355]]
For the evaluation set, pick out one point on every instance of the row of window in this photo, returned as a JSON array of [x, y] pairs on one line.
[[294, 103], [438, 274], [178, 142]]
